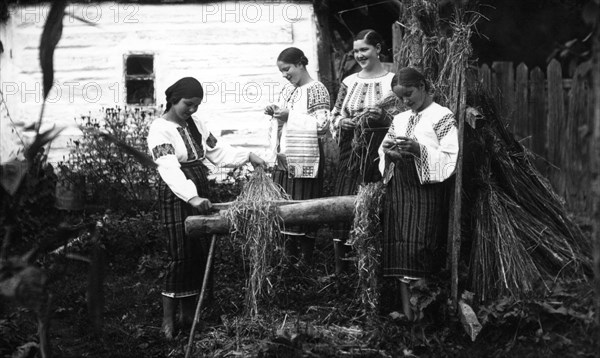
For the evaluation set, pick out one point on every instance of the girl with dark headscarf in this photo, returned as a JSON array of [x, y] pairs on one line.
[[178, 144], [417, 159]]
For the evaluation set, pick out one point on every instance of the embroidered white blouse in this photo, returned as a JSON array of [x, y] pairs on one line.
[[296, 140], [356, 94], [171, 144], [435, 129]]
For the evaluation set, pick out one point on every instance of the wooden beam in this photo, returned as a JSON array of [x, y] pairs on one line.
[[595, 165], [315, 211]]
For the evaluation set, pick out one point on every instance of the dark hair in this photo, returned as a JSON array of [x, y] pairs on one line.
[[293, 55], [187, 87], [371, 37], [410, 77]]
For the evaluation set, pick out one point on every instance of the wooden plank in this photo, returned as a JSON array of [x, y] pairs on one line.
[[456, 208], [556, 125], [324, 47], [595, 165], [537, 114], [521, 117], [575, 156], [505, 85], [485, 77], [396, 46]]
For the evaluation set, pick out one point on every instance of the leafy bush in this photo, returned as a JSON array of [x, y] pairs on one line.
[[113, 178]]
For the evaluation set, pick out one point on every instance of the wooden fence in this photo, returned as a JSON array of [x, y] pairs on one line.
[[553, 117]]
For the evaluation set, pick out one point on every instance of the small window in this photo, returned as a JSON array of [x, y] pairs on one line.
[[139, 80]]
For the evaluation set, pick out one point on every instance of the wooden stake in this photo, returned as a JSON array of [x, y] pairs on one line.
[[211, 251]]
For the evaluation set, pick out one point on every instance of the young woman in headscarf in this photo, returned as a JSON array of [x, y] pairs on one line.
[[178, 143], [300, 120], [359, 124], [417, 161]]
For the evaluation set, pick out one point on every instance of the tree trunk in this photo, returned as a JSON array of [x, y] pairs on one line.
[[315, 211]]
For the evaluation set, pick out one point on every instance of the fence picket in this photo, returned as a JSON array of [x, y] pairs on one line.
[[537, 111], [485, 77], [575, 156], [521, 113], [556, 125], [504, 83]]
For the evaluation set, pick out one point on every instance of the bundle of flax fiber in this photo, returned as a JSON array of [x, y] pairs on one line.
[[365, 238], [521, 232], [256, 225]]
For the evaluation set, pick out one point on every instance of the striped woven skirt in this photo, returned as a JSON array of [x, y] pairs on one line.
[[357, 165], [187, 256], [415, 223], [302, 188]]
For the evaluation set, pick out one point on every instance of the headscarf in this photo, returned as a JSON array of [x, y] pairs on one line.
[[187, 87]]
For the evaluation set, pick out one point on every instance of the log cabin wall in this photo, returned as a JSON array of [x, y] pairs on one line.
[[231, 47]]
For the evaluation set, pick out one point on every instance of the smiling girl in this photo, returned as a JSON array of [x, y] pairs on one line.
[[360, 135], [299, 122], [179, 143]]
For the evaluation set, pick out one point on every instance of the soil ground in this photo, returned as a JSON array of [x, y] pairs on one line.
[[312, 313]]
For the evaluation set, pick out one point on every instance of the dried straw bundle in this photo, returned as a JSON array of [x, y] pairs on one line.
[[522, 232], [256, 225], [439, 47], [365, 237]]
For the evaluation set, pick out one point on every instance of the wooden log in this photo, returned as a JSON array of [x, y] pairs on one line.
[[315, 211]]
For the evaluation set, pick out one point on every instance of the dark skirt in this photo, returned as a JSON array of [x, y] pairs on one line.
[[302, 188], [415, 223], [359, 164], [187, 256]]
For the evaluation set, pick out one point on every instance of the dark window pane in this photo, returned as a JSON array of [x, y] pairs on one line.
[[140, 65], [140, 92]]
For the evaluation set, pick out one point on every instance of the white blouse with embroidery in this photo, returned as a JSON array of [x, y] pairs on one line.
[[171, 144], [435, 129], [356, 94], [296, 140]]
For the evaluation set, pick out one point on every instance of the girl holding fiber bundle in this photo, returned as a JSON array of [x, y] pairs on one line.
[[417, 161], [178, 143], [299, 122], [360, 122]]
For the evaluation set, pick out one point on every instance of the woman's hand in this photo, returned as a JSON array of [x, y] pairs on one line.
[[400, 146], [257, 161], [270, 109], [202, 204], [281, 114], [347, 124], [407, 145]]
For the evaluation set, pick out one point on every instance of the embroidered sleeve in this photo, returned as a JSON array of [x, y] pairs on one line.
[[162, 150], [211, 141], [318, 106], [437, 160], [160, 142], [444, 126]]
